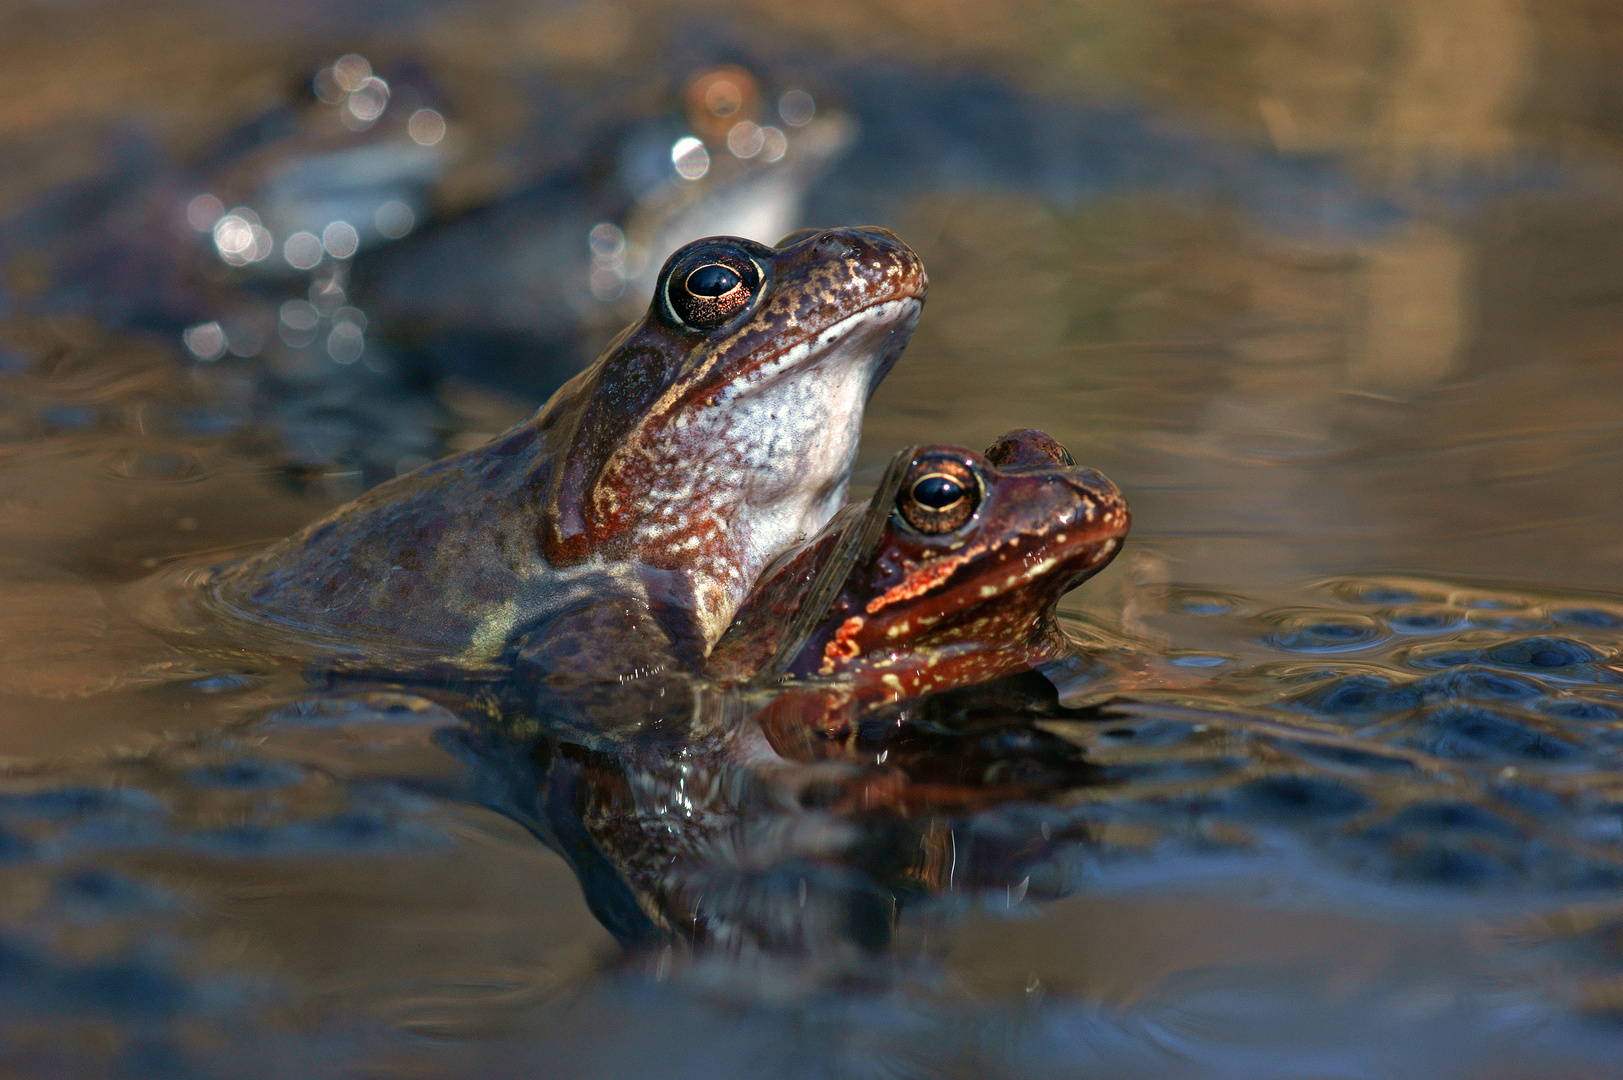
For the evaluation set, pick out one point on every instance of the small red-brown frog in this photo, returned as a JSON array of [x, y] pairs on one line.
[[950, 576]]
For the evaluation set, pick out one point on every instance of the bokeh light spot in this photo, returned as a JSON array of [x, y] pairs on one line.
[[351, 70], [367, 101], [690, 157], [203, 211], [345, 344], [607, 282], [745, 139], [206, 341], [607, 241], [797, 108], [300, 315], [426, 127], [325, 85], [303, 250], [233, 235], [723, 97], [340, 239], [394, 219], [774, 144], [241, 239]]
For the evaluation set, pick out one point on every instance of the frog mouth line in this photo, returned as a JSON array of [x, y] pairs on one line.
[[1052, 574]]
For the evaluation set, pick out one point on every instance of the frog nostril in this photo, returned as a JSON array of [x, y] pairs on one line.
[[836, 245]]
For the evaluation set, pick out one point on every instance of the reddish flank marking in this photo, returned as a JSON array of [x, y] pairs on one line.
[[843, 647], [918, 582]]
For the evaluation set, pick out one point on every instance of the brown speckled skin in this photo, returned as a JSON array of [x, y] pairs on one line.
[[658, 482], [928, 613]]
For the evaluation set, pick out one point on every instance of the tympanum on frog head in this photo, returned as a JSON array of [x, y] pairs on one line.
[[645, 497]]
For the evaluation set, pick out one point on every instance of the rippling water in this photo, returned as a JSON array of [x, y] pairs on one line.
[[1330, 788]]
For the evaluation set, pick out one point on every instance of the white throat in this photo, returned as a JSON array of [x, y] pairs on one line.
[[775, 457]]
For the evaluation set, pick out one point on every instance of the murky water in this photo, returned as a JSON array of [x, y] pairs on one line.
[[1333, 786]]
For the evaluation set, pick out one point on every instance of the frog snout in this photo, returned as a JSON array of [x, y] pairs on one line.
[[1097, 500]]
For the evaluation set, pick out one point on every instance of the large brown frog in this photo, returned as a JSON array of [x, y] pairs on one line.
[[950, 576], [642, 501]]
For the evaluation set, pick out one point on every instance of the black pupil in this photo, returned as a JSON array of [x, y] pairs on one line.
[[713, 280], [937, 492]]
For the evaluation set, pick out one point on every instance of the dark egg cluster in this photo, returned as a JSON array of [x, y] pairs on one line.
[[1438, 734]]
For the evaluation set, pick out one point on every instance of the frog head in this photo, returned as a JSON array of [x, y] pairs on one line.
[[951, 576]]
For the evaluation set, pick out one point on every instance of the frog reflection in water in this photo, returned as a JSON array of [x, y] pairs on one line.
[[951, 576], [642, 501], [694, 825], [700, 838]]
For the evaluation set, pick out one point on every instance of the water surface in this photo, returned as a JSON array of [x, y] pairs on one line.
[[1331, 787]]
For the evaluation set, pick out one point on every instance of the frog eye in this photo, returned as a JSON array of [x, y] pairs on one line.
[[713, 280], [706, 293], [938, 496], [938, 492]]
